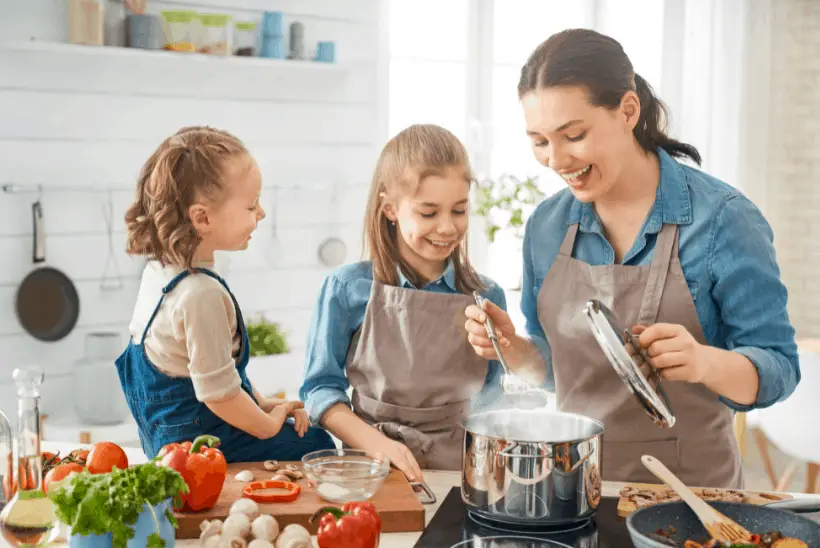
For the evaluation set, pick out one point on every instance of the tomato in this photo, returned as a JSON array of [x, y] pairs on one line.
[[59, 473], [80, 456], [104, 456]]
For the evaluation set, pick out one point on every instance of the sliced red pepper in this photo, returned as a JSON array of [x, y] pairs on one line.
[[293, 491], [202, 466], [355, 525]]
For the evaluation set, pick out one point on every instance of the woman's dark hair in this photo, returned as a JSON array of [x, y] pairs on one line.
[[582, 57]]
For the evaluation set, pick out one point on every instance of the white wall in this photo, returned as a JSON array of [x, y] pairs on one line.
[[793, 153], [86, 118]]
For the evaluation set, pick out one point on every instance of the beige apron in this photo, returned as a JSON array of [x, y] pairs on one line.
[[701, 448], [413, 373]]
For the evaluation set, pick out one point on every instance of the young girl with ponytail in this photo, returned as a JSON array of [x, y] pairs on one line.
[[684, 259], [184, 370]]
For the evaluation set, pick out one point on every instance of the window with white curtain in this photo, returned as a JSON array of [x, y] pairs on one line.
[[456, 63]]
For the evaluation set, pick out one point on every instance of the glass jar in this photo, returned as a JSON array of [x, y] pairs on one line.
[[179, 31], [245, 39], [214, 38], [98, 397]]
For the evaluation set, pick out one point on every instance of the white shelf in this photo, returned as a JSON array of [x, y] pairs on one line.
[[165, 58]]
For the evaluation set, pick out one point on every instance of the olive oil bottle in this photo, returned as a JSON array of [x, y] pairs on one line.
[[28, 519]]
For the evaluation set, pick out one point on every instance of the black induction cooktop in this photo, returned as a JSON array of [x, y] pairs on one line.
[[453, 527]]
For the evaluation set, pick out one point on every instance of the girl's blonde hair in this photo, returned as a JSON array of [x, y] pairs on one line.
[[187, 167], [407, 159]]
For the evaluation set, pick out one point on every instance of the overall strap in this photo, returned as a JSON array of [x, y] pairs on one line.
[[665, 245], [173, 283]]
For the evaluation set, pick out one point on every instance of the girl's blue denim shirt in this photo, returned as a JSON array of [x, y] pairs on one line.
[[339, 313], [728, 258]]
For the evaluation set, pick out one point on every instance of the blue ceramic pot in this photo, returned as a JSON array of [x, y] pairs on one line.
[[142, 529]]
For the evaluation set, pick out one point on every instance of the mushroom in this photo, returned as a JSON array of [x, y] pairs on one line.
[[213, 541], [244, 475], [236, 542], [260, 543], [271, 465], [209, 529], [292, 475], [236, 525], [265, 527], [280, 477], [245, 506], [294, 536], [292, 467]]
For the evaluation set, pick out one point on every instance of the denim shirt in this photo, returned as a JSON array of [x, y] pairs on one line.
[[727, 254], [339, 313]]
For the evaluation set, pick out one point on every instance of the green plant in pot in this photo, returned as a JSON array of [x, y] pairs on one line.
[[121, 509], [505, 203], [266, 338]]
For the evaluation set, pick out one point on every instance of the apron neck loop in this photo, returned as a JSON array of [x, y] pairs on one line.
[[664, 248], [569, 241]]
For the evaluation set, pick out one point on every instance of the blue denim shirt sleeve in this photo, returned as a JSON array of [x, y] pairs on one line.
[[325, 383], [752, 299], [529, 306]]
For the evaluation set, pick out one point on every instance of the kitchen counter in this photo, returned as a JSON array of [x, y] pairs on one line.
[[440, 483]]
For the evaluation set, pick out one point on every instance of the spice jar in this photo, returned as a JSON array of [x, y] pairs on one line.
[[214, 38], [178, 28], [244, 39]]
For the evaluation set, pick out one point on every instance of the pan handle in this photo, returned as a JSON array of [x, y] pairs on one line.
[[39, 251], [798, 506]]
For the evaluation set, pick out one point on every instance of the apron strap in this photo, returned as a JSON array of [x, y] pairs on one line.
[[665, 245], [569, 241]]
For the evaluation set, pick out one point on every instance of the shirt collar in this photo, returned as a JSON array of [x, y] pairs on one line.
[[673, 204], [447, 277]]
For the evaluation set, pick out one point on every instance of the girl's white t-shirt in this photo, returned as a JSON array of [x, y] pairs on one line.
[[194, 332]]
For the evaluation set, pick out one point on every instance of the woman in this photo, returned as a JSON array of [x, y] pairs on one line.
[[686, 259]]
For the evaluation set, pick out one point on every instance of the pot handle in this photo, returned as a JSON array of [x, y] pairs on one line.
[[421, 487], [513, 444]]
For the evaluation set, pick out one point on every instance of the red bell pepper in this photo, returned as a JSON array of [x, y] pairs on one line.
[[355, 525], [202, 466]]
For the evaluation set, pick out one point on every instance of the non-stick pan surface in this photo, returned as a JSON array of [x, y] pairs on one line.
[[678, 517], [47, 302]]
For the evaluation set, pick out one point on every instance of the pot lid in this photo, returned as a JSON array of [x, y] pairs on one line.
[[613, 338]]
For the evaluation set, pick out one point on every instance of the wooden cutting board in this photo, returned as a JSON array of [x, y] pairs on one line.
[[626, 507], [399, 507]]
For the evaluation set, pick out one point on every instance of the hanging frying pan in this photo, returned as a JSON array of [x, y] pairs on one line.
[[47, 302]]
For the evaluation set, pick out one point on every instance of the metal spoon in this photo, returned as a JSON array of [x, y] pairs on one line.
[[519, 391]]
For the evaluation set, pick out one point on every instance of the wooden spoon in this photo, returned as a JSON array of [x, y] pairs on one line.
[[718, 525]]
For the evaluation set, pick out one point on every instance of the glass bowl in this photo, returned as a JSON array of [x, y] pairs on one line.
[[345, 475]]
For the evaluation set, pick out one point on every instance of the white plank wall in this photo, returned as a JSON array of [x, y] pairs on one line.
[[74, 118]]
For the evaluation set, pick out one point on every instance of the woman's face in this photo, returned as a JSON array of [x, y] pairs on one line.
[[586, 145]]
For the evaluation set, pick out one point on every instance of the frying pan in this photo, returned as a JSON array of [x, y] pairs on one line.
[[47, 302], [646, 522]]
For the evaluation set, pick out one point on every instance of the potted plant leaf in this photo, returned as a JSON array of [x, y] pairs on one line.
[[120, 509], [505, 204], [271, 355]]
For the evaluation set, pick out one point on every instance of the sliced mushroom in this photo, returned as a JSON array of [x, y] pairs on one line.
[[292, 475], [271, 465]]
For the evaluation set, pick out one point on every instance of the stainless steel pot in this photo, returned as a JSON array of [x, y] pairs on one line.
[[531, 466]]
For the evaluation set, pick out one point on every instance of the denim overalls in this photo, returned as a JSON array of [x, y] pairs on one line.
[[166, 408]]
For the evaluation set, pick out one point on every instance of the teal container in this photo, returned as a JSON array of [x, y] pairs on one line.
[[144, 527]]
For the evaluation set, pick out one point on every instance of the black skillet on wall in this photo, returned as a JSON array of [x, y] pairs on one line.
[[47, 302]]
